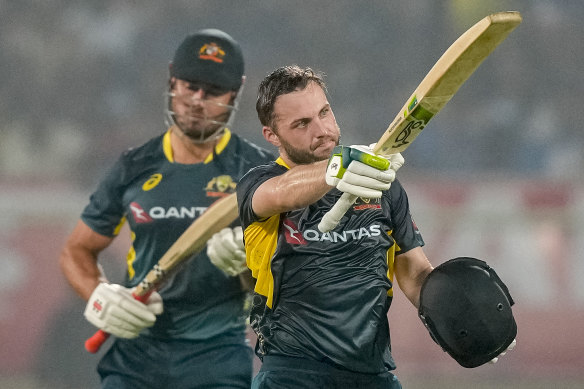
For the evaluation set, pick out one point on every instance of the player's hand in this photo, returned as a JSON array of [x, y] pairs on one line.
[[227, 252], [511, 347], [113, 309], [357, 171]]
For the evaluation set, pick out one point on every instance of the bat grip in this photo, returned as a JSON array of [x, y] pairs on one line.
[[93, 343], [333, 217]]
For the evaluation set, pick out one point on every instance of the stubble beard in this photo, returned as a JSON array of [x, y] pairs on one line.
[[199, 129], [304, 157]]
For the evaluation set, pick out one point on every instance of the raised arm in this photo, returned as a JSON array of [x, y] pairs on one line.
[[351, 169], [297, 188]]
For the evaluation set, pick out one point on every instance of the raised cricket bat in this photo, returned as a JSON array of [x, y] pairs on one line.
[[218, 216], [453, 68]]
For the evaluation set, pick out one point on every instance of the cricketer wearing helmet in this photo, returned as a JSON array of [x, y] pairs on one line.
[[197, 118], [191, 333]]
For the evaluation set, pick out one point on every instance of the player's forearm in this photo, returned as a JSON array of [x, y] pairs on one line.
[[297, 188], [78, 259], [81, 271], [411, 269]]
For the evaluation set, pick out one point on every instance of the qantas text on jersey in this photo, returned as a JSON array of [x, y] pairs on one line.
[[294, 236], [177, 213], [140, 215]]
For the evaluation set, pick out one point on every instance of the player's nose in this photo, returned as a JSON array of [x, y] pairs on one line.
[[197, 98], [321, 128]]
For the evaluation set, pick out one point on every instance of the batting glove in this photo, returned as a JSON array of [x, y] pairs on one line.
[[113, 309], [358, 171], [511, 347], [227, 252]]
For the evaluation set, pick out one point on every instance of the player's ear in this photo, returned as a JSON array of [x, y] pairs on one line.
[[271, 136]]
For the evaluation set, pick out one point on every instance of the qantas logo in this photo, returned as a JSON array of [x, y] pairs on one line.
[[141, 216], [295, 236]]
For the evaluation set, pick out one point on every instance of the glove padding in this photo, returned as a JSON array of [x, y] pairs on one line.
[[358, 171], [112, 308], [227, 252], [511, 347]]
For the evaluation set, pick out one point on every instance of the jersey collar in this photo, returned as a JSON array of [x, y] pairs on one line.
[[280, 161], [167, 148]]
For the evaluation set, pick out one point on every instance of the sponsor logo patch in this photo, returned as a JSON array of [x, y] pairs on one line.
[[220, 186], [140, 216], [152, 182], [295, 236], [292, 234], [212, 51]]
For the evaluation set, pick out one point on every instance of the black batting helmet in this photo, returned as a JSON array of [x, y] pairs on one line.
[[211, 56], [467, 310]]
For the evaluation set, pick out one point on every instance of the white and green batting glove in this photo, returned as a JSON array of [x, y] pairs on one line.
[[358, 171]]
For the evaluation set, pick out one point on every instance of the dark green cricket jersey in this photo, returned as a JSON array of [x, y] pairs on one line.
[[160, 199], [325, 296]]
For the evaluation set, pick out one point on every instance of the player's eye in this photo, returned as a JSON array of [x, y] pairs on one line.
[[208, 89], [300, 123]]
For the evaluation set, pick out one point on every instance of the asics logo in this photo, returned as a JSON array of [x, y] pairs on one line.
[[140, 216]]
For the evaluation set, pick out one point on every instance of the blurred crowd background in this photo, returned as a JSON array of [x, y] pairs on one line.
[[496, 175]]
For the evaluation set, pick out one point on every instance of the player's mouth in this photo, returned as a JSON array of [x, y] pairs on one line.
[[328, 144]]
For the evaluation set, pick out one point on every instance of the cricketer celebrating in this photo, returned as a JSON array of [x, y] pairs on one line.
[[321, 299], [195, 324]]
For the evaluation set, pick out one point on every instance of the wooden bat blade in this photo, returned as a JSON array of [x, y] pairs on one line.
[[443, 80], [219, 215]]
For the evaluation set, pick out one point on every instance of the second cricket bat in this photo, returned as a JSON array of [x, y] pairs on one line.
[[218, 216], [453, 68]]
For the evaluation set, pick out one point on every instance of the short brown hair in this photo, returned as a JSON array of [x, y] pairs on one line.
[[281, 81]]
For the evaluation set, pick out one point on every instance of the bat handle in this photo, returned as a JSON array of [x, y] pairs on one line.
[[333, 217], [93, 343]]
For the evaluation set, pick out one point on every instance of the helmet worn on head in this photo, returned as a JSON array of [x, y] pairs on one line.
[[211, 56], [466, 308]]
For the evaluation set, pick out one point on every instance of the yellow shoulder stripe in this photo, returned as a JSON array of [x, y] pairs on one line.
[[119, 226]]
